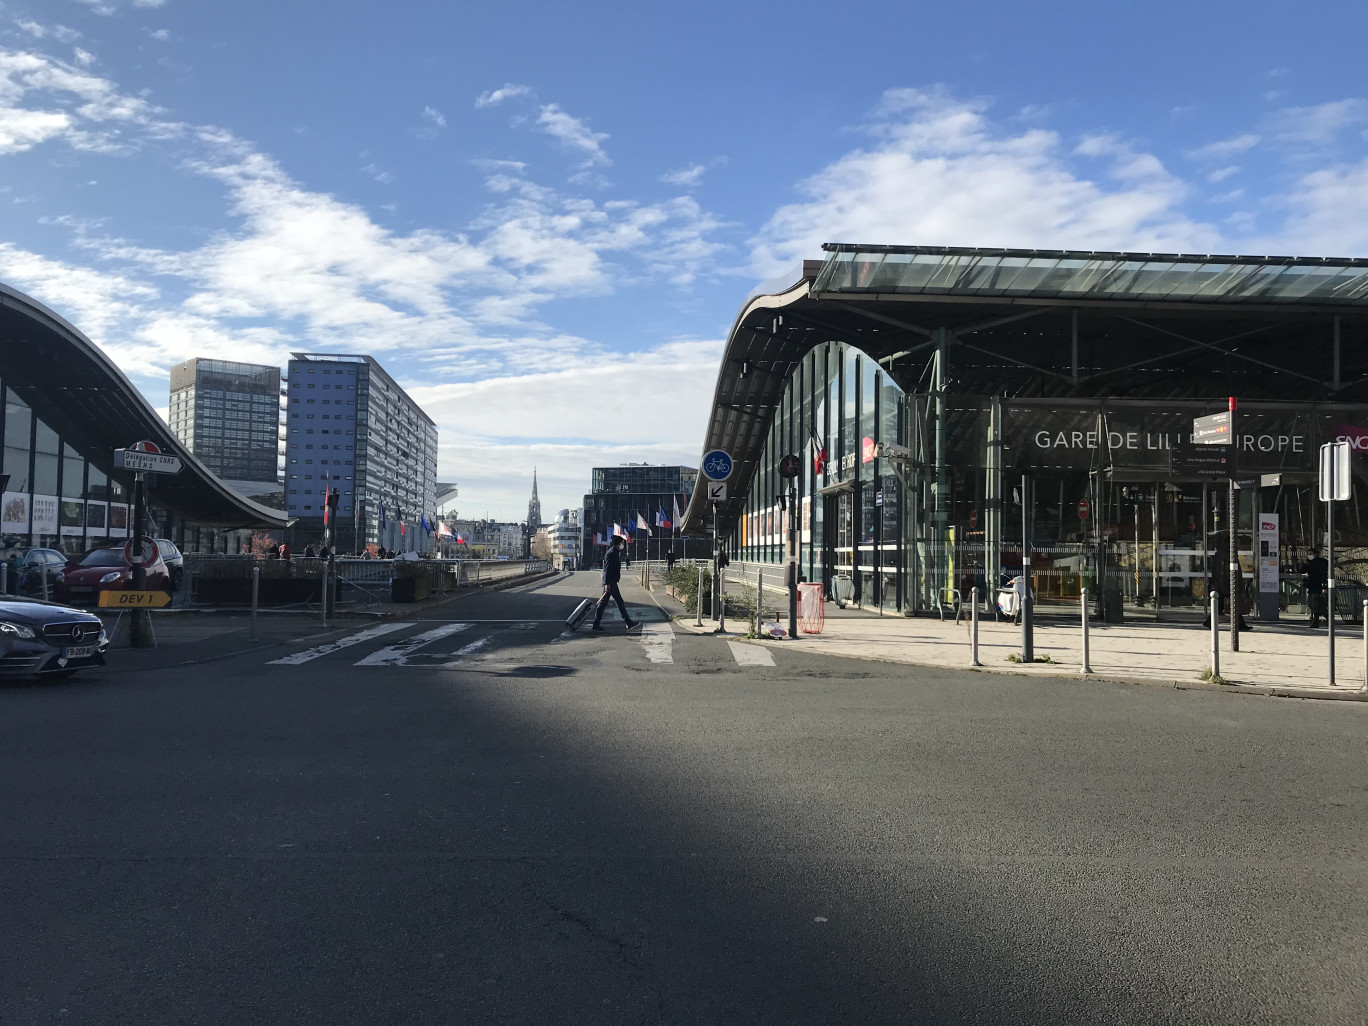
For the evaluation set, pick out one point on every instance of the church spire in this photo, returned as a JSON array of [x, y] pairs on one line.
[[534, 506]]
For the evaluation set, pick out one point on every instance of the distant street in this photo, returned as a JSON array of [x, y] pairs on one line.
[[471, 816]]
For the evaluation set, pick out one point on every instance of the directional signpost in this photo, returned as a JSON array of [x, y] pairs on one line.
[[1218, 429], [1336, 484], [717, 467], [134, 599], [144, 457]]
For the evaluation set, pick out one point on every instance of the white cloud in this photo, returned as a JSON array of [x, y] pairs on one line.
[[1318, 126], [940, 172], [1222, 173], [1224, 149], [435, 116], [685, 176], [161, 35], [383, 177], [574, 133], [1326, 215], [496, 96]]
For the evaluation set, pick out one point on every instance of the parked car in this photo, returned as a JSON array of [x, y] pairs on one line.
[[175, 562], [32, 564], [104, 570], [40, 639]]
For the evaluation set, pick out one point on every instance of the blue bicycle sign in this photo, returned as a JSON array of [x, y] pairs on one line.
[[717, 465]]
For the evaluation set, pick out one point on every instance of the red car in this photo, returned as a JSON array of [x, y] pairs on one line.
[[104, 570]]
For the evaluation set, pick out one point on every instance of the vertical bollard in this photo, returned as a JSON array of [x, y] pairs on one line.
[[759, 599], [698, 603], [1215, 634], [721, 603], [42, 572], [1365, 645], [973, 627], [256, 588], [323, 573], [1087, 661], [4, 578]]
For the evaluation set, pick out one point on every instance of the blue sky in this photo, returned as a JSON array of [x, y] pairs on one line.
[[543, 217]]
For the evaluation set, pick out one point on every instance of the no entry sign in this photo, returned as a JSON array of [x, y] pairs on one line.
[[1084, 508], [973, 519]]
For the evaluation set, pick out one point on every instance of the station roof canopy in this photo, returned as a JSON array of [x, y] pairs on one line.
[[81, 394], [1025, 323]]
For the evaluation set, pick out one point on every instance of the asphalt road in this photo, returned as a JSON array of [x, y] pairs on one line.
[[498, 823]]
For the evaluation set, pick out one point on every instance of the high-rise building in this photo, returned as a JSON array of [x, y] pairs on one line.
[[352, 430], [534, 520], [228, 415], [621, 494]]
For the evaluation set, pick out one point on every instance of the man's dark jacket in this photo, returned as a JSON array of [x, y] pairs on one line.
[[612, 566], [1317, 571]]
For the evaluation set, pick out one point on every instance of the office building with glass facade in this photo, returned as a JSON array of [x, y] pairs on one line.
[[352, 430], [620, 494], [928, 390], [228, 415]]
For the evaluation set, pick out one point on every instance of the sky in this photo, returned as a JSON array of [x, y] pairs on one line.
[[542, 218]]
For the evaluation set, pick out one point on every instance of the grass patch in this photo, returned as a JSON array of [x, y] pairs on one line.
[[1213, 678], [1015, 657]]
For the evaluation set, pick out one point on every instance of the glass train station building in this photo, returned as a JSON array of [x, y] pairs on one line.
[[1081, 370], [67, 407]]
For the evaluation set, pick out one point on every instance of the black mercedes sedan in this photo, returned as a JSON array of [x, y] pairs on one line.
[[40, 639]]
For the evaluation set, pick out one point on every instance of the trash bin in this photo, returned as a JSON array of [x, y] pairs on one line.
[[811, 608]]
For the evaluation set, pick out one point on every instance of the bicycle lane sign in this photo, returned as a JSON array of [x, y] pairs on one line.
[[717, 465]]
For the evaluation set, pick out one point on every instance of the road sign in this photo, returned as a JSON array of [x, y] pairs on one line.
[[973, 519], [878, 498], [790, 466], [147, 462], [717, 491], [1212, 430], [1202, 460], [134, 599], [717, 465], [140, 552], [1335, 479], [1084, 509]]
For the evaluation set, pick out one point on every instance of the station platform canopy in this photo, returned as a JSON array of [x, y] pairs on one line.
[[1043, 324], [82, 395]]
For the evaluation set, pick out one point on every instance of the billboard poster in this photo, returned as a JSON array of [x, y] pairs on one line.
[[71, 517], [1268, 553], [95, 517], [45, 514], [118, 520], [14, 513]]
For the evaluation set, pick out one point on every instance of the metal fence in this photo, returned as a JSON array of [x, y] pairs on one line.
[[364, 580]]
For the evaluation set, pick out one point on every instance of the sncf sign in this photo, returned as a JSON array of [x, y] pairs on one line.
[[1357, 437]]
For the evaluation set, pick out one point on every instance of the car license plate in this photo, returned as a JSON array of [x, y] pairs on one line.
[[78, 651], [82, 590]]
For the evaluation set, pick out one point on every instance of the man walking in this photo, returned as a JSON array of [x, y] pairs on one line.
[[612, 573], [1317, 572]]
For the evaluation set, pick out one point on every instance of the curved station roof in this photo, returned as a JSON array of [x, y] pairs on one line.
[[1047, 323], [79, 392]]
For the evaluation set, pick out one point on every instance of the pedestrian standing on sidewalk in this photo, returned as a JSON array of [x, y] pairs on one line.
[[1317, 572], [612, 573]]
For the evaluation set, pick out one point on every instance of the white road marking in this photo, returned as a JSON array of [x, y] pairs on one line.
[[750, 655], [398, 653], [658, 641], [295, 658], [469, 650]]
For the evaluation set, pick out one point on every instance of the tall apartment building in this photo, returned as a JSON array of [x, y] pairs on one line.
[[622, 493], [352, 429], [228, 415]]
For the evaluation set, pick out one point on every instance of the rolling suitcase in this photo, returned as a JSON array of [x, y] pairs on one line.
[[580, 614]]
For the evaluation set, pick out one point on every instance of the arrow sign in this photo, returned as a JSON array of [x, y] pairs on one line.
[[717, 491], [147, 462], [134, 599]]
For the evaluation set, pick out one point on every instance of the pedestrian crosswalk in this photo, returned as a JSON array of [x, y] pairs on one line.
[[500, 644]]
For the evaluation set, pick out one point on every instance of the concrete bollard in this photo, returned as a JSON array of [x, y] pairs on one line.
[[256, 590], [1215, 634], [973, 627], [698, 602], [1087, 662], [1365, 644], [323, 594], [759, 600]]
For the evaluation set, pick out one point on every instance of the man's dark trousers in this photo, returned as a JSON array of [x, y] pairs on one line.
[[610, 590]]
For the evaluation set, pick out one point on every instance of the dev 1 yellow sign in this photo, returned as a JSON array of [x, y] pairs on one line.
[[133, 599]]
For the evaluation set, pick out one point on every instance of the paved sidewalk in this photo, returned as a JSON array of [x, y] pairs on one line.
[[1284, 658]]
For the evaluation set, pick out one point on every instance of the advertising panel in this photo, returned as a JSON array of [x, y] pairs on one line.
[[14, 513], [45, 514], [71, 518], [118, 520]]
